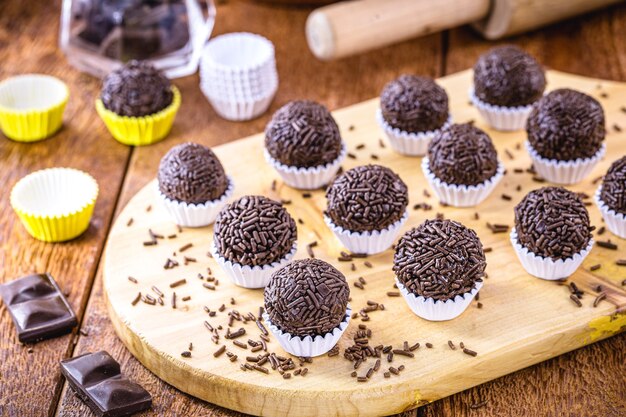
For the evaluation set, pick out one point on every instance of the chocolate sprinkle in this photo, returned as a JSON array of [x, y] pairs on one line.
[[552, 222], [613, 191], [366, 198], [462, 154], [414, 104], [303, 134], [439, 259], [307, 297], [254, 230], [566, 125]]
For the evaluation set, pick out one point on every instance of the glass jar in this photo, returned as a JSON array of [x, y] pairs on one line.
[[99, 36]]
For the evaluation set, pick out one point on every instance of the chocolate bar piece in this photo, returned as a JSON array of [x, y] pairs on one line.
[[96, 379], [38, 307]]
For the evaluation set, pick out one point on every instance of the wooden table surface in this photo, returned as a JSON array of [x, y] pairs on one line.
[[589, 381]]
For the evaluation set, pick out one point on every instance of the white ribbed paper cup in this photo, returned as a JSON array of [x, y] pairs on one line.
[[308, 346], [251, 276], [461, 195], [371, 242], [196, 215], [408, 143], [240, 110], [546, 268], [310, 178], [433, 310], [564, 172], [615, 222], [500, 117]]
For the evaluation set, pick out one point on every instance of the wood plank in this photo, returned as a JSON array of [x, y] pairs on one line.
[[301, 76], [524, 320], [31, 383], [588, 381]]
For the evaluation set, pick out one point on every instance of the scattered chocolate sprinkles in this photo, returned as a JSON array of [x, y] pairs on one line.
[[607, 244]]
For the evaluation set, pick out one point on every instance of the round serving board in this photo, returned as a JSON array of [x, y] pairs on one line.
[[522, 320]]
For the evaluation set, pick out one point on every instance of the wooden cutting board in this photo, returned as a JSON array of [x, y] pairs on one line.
[[523, 320]]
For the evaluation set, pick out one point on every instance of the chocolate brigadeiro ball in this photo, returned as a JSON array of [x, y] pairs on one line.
[[254, 230], [439, 259], [566, 125], [507, 76], [462, 154], [192, 173], [366, 198], [137, 89], [307, 297], [552, 222], [303, 134], [613, 191], [414, 104]]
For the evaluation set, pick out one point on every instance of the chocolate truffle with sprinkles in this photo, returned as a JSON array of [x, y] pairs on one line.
[[307, 297], [613, 191], [509, 77], [552, 222], [366, 198], [254, 230], [439, 259], [137, 89], [462, 154], [414, 104], [192, 173], [566, 125], [303, 134]]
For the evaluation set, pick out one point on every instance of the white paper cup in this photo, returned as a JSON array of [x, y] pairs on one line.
[[408, 143], [461, 195], [546, 268], [564, 172], [195, 215], [251, 276], [240, 110], [370, 242], [310, 178], [615, 222], [433, 310], [308, 346], [500, 117]]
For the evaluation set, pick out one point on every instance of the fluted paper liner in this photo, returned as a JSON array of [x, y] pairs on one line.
[[502, 118], [437, 310], [546, 268], [461, 195], [240, 109], [310, 178], [196, 215], [32, 106], [308, 346], [370, 242], [408, 143], [251, 276], [55, 204], [564, 172], [615, 222]]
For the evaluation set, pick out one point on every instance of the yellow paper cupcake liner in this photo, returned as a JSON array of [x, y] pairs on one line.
[[139, 131], [54, 227]]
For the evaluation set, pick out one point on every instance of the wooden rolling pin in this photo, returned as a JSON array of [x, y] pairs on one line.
[[355, 26]]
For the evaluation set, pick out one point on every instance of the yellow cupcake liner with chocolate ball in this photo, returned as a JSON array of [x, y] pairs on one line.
[[138, 104]]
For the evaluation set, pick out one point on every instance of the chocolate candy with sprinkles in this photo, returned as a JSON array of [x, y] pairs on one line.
[[414, 104], [254, 230], [508, 76], [137, 89], [307, 297], [303, 134], [613, 191], [192, 173], [366, 198], [439, 259], [566, 125], [462, 154], [553, 222]]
